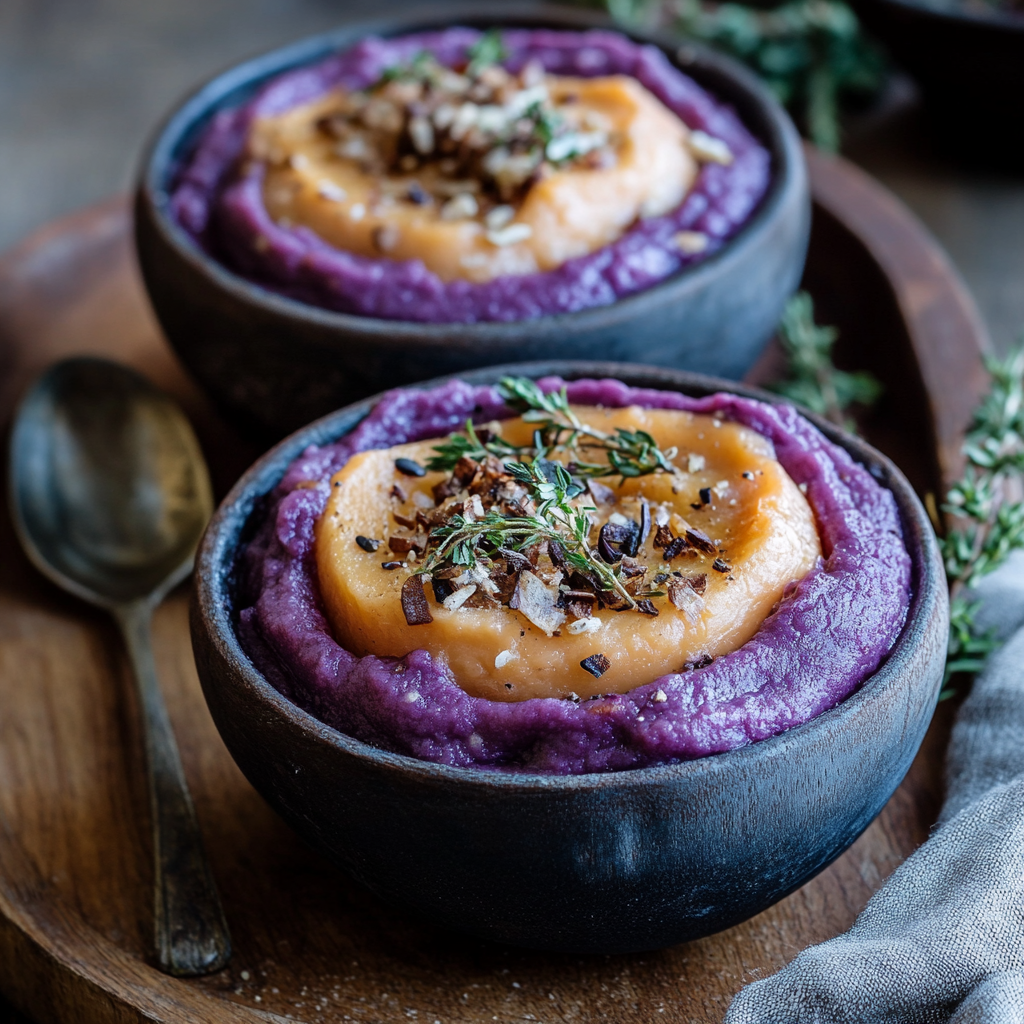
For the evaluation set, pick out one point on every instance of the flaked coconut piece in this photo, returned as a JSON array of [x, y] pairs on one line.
[[686, 599], [455, 600], [538, 602]]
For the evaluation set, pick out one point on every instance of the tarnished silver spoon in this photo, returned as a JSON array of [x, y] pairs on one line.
[[109, 496]]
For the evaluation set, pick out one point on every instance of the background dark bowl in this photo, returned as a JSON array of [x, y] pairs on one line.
[[589, 863], [970, 65], [279, 363]]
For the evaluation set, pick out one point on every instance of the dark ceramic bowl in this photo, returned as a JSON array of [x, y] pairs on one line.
[[280, 363], [587, 863], [969, 61]]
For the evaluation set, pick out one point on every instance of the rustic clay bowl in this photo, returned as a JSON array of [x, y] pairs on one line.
[[587, 863], [278, 363]]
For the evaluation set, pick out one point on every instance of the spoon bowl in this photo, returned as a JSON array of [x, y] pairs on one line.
[[109, 491], [109, 496]]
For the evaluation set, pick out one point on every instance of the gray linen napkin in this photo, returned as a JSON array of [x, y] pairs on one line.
[[943, 939]]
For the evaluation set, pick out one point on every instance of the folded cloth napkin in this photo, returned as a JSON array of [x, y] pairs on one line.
[[943, 939]]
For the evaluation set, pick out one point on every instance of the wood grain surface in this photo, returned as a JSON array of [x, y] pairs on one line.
[[75, 874]]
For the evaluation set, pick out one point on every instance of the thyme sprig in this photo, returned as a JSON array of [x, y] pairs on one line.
[[464, 541], [985, 507], [629, 453], [986, 510], [813, 379]]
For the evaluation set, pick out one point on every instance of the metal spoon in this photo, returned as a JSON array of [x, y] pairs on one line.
[[109, 496]]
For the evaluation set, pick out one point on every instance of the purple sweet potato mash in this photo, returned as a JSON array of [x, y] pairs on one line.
[[222, 207], [830, 632]]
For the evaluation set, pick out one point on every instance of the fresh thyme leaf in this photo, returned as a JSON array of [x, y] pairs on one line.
[[487, 50], [421, 67], [813, 380], [986, 511], [455, 446]]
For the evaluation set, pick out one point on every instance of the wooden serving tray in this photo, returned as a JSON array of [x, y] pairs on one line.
[[75, 867]]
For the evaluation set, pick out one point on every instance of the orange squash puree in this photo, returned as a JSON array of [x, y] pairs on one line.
[[570, 212], [763, 526]]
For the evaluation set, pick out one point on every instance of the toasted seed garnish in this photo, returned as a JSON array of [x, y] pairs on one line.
[[414, 602], [391, 565], [720, 566], [409, 468], [676, 548], [368, 543], [647, 607], [596, 665], [701, 541], [705, 495]]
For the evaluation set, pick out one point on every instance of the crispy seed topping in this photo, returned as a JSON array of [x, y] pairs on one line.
[[720, 566], [414, 602], [596, 665], [705, 495], [647, 607], [368, 544], [701, 541], [408, 467], [675, 549], [391, 565]]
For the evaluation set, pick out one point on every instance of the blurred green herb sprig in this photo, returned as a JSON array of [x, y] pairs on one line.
[[813, 380], [811, 53], [985, 508]]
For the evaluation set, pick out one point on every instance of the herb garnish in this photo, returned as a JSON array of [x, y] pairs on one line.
[[985, 505], [630, 453], [538, 505], [986, 509], [813, 379], [489, 49]]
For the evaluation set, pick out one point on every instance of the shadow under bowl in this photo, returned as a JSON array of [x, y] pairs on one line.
[[276, 363], [606, 863]]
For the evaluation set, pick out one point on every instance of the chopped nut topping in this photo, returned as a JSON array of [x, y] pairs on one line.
[[596, 665], [414, 602], [709, 149]]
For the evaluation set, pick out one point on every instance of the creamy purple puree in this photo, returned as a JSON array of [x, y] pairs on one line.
[[222, 206], [830, 632]]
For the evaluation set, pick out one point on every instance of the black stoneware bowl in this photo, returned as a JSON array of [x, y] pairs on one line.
[[278, 363], [969, 61], [599, 863]]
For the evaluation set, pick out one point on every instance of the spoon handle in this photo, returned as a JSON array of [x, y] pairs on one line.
[[191, 933]]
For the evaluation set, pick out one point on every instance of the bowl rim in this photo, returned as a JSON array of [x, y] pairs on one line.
[[214, 571], [157, 166]]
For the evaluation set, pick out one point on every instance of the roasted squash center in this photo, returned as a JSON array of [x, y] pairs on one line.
[[477, 190], [727, 533]]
